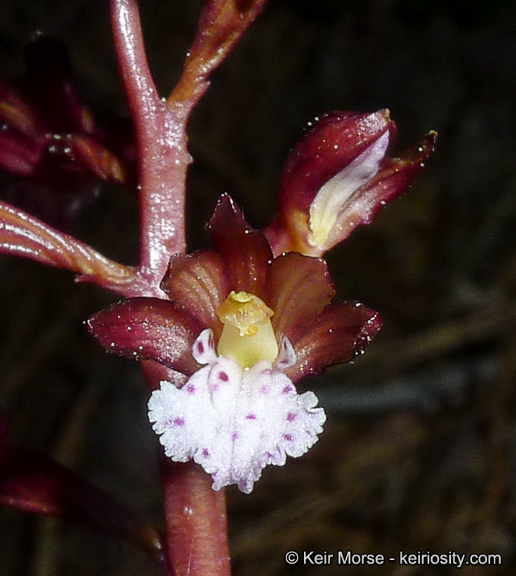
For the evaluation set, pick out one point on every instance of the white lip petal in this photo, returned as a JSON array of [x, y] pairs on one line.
[[234, 422]]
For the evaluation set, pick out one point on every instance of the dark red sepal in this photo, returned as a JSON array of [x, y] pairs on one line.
[[245, 251], [393, 178], [333, 143], [338, 177], [300, 287], [148, 329], [198, 283], [339, 334]]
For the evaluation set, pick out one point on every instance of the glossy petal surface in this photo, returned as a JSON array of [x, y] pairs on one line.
[[394, 177], [198, 283], [245, 251], [149, 329], [327, 226], [299, 289], [340, 333], [331, 145], [338, 177]]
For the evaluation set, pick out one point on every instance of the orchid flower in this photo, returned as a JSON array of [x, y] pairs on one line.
[[244, 328]]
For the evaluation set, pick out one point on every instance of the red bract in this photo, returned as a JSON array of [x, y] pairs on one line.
[[297, 288], [338, 177]]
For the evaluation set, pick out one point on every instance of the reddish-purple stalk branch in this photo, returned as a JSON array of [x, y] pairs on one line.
[[162, 152], [160, 124], [221, 24]]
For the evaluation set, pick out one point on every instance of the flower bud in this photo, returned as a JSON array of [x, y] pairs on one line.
[[338, 177]]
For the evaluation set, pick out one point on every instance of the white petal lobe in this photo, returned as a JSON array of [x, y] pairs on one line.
[[233, 422]]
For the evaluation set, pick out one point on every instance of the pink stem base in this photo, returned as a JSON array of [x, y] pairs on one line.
[[196, 536]]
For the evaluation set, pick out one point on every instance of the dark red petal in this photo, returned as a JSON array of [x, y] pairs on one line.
[[341, 332], [300, 287], [333, 143], [33, 483], [245, 251], [394, 177], [149, 329], [197, 282]]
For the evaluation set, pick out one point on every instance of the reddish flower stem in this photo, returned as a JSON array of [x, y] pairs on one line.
[[161, 140], [197, 526], [196, 542], [221, 24]]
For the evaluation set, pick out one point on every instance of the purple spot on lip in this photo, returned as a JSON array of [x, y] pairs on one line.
[[178, 422], [251, 417], [287, 437], [265, 390], [223, 376], [200, 347], [190, 388], [287, 389], [206, 452], [234, 436], [291, 417]]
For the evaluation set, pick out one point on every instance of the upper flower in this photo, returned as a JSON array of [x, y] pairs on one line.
[[244, 327], [338, 177]]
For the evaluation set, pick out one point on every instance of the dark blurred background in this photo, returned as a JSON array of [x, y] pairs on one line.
[[419, 451]]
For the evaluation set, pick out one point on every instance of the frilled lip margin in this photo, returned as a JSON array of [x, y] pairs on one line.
[[322, 330]]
